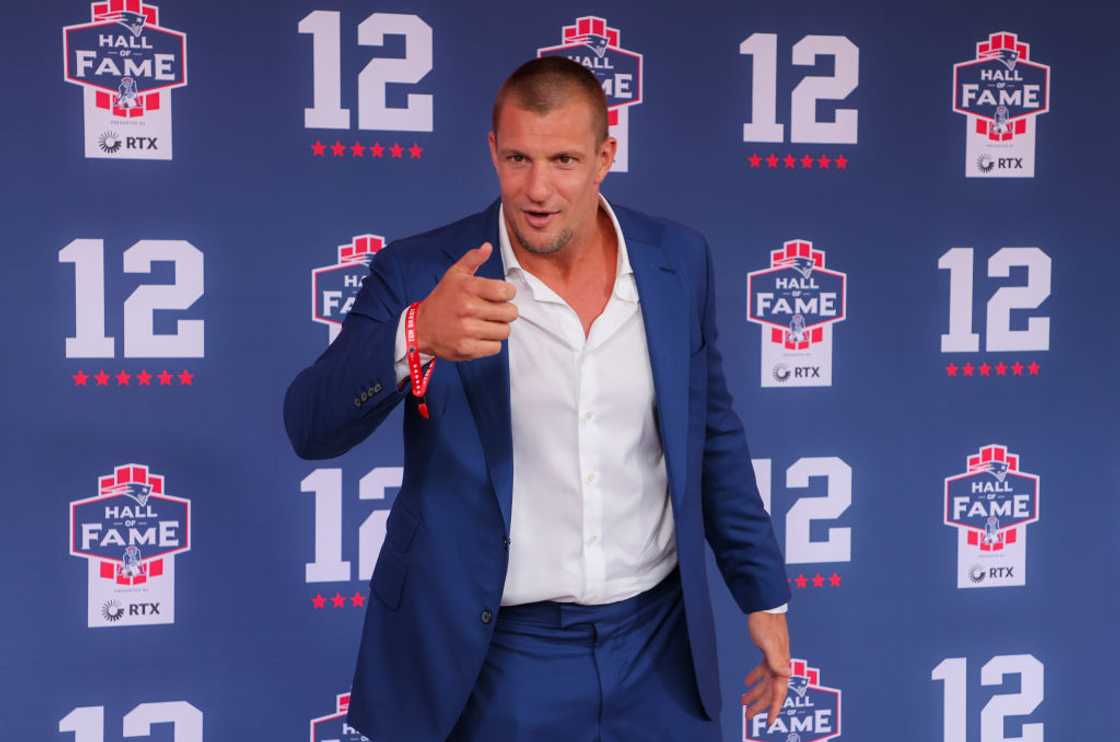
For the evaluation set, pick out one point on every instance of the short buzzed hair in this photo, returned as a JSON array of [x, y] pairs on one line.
[[544, 84]]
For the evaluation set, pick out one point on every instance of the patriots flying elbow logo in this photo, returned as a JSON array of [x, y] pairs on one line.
[[799, 685], [134, 22], [997, 469], [801, 264], [1006, 57], [596, 43], [134, 490]]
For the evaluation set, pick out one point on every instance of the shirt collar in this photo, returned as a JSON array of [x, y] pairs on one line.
[[624, 285]]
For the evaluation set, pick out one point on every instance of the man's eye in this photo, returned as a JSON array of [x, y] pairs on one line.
[[517, 158], [566, 159]]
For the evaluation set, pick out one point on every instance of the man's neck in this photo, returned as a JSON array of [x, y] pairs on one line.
[[592, 257]]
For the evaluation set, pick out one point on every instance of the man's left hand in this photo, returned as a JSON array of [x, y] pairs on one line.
[[768, 683]]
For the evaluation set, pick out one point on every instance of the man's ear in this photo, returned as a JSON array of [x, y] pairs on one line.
[[492, 138], [607, 151]]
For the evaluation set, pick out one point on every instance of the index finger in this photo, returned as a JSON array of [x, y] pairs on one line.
[[492, 289], [777, 699]]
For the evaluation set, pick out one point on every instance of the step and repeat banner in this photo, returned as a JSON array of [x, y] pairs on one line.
[[912, 213]]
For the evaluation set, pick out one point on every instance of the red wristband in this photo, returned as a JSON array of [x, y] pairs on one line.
[[420, 378]]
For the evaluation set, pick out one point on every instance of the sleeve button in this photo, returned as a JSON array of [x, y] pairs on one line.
[[486, 615]]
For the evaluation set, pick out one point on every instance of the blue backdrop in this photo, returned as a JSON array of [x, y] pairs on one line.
[[226, 190]]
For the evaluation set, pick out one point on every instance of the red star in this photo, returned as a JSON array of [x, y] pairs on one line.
[[754, 160], [806, 162], [123, 377], [396, 150], [319, 601], [951, 369], [357, 149], [80, 378], [1017, 368], [338, 148], [818, 581], [415, 151], [318, 149], [1001, 369], [358, 600], [338, 601], [789, 162], [377, 150], [164, 378], [145, 378], [824, 162], [801, 582], [968, 368], [102, 378], [772, 160], [1033, 368], [985, 369], [834, 580], [842, 162], [186, 378]]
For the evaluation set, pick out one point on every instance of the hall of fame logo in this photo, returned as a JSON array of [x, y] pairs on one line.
[[595, 45], [334, 287], [811, 712], [1000, 93], [129, 534], [796, 300], [333, 727], [127, 65], [990, 505]]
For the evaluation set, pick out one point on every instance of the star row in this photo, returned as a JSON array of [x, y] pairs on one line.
[[986, 369], [789, 162], [357, 149], [817, 580], [338, 601], [123, 378]]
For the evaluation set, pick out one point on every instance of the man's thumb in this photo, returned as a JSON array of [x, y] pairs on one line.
[[470, 262]]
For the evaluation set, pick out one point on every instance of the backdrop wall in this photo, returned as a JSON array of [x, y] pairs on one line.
[[910, 208]]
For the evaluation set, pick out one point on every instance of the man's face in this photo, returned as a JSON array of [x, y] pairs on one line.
[[549, 170]]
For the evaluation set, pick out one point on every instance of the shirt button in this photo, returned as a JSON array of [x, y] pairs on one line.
[[590, 477], [587, 416], [486, 615]]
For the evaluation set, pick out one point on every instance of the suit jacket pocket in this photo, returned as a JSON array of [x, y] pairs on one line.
[[387, 582], [400, 528]]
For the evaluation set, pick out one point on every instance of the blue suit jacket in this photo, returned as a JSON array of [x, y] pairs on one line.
[[439, 577]]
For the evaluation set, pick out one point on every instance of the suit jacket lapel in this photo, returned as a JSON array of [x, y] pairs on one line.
[[659, 292], [486, 381]]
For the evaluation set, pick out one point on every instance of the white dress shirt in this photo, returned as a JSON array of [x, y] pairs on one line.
[[591, 518]]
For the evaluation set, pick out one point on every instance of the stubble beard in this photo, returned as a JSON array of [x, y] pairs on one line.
[[549, 248]]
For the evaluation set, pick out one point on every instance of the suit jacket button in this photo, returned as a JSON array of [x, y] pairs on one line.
[[506, 541], [365, 396], [486, 615], [357, 402], [371, 392], [376, 388]]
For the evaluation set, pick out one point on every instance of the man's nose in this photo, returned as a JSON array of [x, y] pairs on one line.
[[540, 187]]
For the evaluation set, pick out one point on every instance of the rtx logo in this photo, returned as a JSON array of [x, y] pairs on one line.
[[143, 609], [784, 373], [986, 164], [110, 143]]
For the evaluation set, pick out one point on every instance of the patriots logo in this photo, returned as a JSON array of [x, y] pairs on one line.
[[596, 43], [997, 469], [802, 265], [134, 22], [799, 685], [134, 490], [1006, 57]]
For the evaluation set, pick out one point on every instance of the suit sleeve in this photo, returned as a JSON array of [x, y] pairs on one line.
[[736, 525], [335, 403]]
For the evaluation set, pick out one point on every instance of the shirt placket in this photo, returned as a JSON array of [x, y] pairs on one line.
[[590, 447]]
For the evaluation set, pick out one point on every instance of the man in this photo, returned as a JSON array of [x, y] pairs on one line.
[[547, 541]]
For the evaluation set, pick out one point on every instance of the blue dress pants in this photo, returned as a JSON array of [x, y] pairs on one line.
[[617, 672]]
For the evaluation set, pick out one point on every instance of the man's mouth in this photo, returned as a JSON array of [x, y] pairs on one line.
[[538, 219]]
